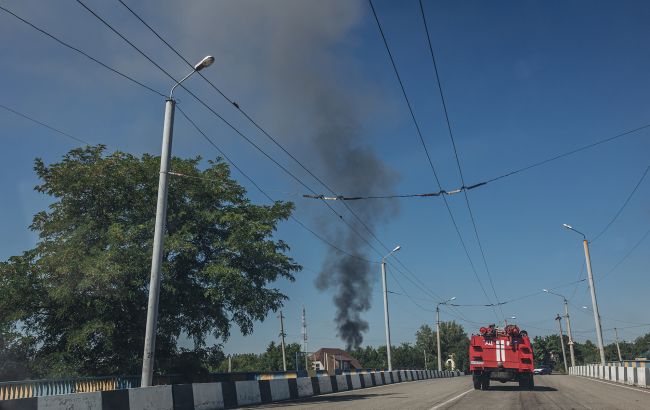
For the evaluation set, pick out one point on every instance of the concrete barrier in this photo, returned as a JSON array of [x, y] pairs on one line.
[[75, 401], [633, 376], [630, 378], [643, 377], [280, 389], [207, 396], [305, 388], [248, 392], [219, 395], [341, 383]]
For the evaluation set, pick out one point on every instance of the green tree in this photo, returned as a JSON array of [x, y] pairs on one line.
[[370, 357], [407, 356], [425, 339], [454, 340], [81, 294], [271, 360]]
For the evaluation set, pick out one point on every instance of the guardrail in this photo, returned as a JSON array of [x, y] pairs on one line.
[[222, 395], [638, 376], [35, 388], [48, 387]]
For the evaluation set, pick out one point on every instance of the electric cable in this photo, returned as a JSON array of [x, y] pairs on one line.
[[460, 170], [259, 188], [426, 151], [627, 200], [274, 140], [27, 117], [109, 26]]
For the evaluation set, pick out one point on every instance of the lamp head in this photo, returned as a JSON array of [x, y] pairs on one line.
[[567, 226], [545, 290], [453, 298], [397, 248], [206, 62]]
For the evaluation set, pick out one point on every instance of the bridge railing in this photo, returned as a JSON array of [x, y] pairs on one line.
[[47, 387]]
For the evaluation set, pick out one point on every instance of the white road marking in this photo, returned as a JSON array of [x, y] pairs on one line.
[[616, 384], [450, 400]]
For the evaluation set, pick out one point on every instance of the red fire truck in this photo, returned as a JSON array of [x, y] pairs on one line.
[[503, 355]]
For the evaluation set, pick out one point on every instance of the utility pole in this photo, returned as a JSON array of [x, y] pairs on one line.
[[438, 329], [386, 319], [559, 318], [438, 337], [282, 335], [304, 337], [159, 231], [594, 302], [618, 348], [229, 364], [425, 358], [568, 329]]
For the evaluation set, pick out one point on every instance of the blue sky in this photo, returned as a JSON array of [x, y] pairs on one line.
[[523, 81]]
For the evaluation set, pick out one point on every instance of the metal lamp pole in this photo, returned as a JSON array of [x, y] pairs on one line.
[[438, 330], [618, 348], [559, 323], [599, 331], [161, 218], [386, 319], [568, 325]]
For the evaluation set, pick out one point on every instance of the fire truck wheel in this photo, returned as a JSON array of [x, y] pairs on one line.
[[485, 382], [526, 382], [477, 382]]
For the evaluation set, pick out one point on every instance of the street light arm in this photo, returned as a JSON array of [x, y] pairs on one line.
[[397, 248], [205, 62], [556, 294], [571, 228], [171, 93]]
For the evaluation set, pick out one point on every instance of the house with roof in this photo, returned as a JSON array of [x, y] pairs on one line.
[[333, 360]]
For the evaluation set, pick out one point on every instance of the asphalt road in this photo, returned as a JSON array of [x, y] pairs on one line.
[[551, 392]]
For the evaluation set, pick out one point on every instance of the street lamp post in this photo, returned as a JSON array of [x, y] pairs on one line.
[[568, 325], [386, 319], [618, 348], [559, 323], [438, 330], [599, 331], [159, 232]]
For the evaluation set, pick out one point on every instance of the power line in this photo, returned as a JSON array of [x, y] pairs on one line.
[[636, 245], [568, 153], [275, 141], [424, 195], [233, 164], [259, 188], [453, 143], [426, 151], [71, 47], [49, 127], [224, 120], [624, 204]]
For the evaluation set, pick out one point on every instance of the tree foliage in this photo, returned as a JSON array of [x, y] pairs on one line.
[[547, 350], [80, 295], [269, 361], [453, 340]]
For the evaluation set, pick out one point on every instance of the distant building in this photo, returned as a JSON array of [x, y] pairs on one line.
[[331, 360]]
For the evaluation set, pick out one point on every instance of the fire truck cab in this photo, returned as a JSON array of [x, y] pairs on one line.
[[503, 355]]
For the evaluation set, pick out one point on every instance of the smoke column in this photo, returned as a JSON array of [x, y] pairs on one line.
[[296, 67]]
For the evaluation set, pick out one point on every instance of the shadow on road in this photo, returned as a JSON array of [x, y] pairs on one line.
[[327, 399], [516, 388]]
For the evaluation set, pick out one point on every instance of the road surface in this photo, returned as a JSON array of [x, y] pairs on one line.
[[551, 392]]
